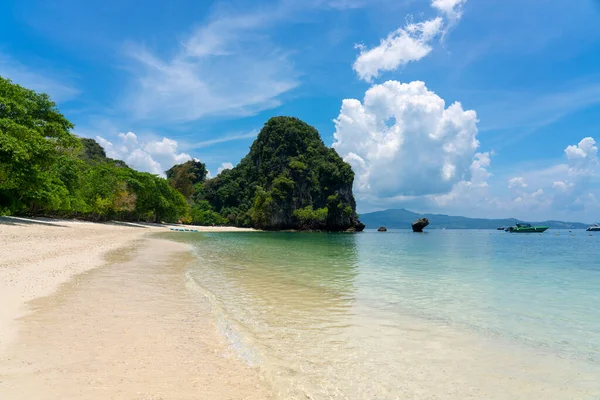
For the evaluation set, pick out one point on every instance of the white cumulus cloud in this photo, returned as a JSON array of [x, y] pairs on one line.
[[583, 158], [562, 186], [559, 190], [517, 182], [586, 148], [155, 156], [224, 166], [472, 192], [536, 199], [566, 190], [452, 9], [479, 169], [410, 43], [403, 141]]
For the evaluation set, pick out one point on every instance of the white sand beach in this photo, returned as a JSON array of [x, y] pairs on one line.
[[101, 311]]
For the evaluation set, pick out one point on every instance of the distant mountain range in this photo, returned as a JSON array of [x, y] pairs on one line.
[[402, 219]]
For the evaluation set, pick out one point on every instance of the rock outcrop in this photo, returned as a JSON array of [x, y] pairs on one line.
[[420, 224], [288, 180], [358, 227]]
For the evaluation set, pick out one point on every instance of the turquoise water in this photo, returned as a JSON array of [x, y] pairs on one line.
[[445, 314]]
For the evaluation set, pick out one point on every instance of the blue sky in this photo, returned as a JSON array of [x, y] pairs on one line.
[[158, 83]]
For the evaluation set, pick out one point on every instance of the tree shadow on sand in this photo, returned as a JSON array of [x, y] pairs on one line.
[[142, 225], [17, 221]]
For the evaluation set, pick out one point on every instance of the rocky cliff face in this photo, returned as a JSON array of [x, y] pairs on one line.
[[289, 180]]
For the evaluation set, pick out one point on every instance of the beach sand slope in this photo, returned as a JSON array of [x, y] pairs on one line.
[[102, 311]]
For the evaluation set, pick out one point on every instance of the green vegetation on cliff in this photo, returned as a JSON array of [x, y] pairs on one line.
[[46, 170], [187, 176], [288, 180]]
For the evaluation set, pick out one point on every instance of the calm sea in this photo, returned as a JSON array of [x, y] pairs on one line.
[[397, 315]]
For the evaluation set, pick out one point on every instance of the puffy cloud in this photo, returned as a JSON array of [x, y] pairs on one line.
[[142, 161], [586, 148], [473, 191], [452, 9], [479, 169], [224, 166], [562, 186], [560, 191], [583, 158], [410, 43], [563, 189], [517, 182], [152, 156], [403, 141], [537, 200], [166, 151]]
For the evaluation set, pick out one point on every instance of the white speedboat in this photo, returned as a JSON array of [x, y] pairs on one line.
[[593, 228]]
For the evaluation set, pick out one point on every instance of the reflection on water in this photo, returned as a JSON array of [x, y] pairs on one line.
[[448, 314]]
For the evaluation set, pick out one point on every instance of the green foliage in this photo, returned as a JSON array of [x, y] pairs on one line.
[[308, 218], [202, 213], [263, 208], [92, 153], [287, 172], [33, 134], [185, 177], [45, 169]]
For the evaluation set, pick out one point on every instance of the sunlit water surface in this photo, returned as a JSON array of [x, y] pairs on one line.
[[445, 314]]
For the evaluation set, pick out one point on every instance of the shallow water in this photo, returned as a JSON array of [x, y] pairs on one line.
[[445, 314]]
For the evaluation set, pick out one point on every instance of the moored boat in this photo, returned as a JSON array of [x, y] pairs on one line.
[[526, 228], [593, 228]]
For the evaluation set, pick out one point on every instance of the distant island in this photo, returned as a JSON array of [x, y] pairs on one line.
[[402, 219]]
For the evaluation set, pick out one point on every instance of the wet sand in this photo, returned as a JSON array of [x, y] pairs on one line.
[[95, 311]]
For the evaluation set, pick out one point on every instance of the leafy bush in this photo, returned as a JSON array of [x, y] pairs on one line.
[[311, 219]]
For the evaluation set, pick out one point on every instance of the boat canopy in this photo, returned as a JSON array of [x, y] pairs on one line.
[[523, 225]]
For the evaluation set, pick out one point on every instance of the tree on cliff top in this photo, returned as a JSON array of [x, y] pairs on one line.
[[184, 177], [93, 153]]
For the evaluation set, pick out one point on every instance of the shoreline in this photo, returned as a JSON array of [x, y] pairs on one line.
[[39, 255], [112, 302]]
